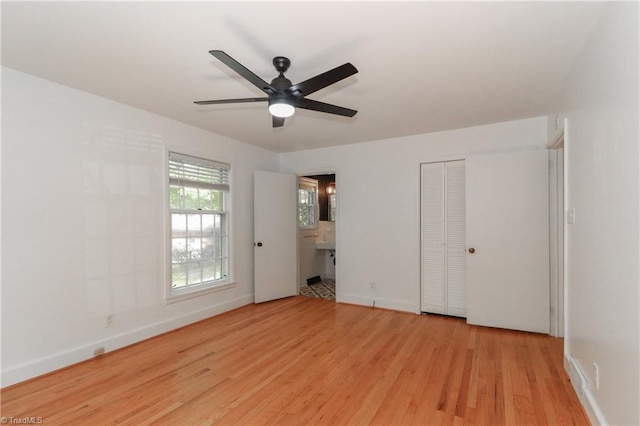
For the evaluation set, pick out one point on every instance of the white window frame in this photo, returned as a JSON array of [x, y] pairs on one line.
[[306, 184], [223, 170]]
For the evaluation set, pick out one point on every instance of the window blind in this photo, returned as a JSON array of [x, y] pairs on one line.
[[198, 173]]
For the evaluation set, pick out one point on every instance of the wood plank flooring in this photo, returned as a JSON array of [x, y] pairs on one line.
[[304, 361]]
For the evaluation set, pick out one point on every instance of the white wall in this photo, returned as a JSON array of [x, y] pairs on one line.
[[601, 103], [83, 222], [378, 209]]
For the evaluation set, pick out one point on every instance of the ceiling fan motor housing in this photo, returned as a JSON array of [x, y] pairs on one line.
[[281, 63], [281, 83]]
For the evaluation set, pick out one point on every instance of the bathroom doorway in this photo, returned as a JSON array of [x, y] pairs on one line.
[[317, 235]]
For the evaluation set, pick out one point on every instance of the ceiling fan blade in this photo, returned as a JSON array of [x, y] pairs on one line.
[[231, 101], [324, 107], [278, 121], [323, 80], [243, 71]]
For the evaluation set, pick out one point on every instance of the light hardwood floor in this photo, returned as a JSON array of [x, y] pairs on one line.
[[309, 361]]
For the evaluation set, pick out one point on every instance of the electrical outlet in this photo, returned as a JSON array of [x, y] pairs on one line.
[[109, 320], [373, 286], [596, 376], [99, 351]]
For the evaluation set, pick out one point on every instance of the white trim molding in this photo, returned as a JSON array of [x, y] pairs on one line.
[[376, 302], [581, 386]]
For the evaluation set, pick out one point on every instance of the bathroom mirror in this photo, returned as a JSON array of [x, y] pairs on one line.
[[326, 191]]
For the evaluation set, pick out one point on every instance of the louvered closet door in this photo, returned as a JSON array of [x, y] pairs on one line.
[[433, 255], [455, 224], [443, 238]]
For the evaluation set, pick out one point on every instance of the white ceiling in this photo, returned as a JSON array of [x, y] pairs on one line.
[[423, 66]]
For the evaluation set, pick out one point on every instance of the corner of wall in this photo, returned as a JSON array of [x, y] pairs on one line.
[[555, 130]]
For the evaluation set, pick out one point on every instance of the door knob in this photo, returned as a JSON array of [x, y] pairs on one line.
[[472, 250], [259, 244]]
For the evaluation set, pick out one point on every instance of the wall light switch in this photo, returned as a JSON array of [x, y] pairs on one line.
[[571, 216]]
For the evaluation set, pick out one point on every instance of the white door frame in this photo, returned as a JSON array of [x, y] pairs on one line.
[[557, 234], [324, 171]]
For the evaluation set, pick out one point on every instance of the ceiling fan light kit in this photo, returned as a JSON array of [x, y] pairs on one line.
[[282, 96], [281, 108]]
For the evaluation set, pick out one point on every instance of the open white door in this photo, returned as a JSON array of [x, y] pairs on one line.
[[508, 228], [275, 236]]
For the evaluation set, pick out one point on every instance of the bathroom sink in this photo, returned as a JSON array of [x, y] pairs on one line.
[[326, 245]]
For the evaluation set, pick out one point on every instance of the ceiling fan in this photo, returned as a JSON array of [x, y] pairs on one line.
[[282, 96]]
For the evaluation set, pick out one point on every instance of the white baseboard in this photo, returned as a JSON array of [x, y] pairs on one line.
[[581, 387], [396, 305], [60, 360]]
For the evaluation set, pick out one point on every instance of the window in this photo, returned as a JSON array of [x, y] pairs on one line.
[[307, 203], [198, 197]]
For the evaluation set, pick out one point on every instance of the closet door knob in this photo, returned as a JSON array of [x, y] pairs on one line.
[[472, 250]]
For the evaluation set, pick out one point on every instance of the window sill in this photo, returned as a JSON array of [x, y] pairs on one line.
[[185, 294]]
